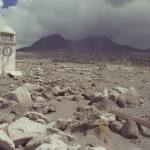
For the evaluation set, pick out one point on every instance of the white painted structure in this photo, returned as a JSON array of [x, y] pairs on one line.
[[7, 49]]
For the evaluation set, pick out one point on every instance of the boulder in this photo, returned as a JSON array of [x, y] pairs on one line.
[[24, 129], [121, 101], [133, 98], [130, 98], [116, 126], [54, 144], [130, 130], [5, 142], [22, 96]]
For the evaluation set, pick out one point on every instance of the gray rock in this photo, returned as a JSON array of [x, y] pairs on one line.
[[22, 96], [5, 142], [116, 126], [33, 87], [35, 116], [37, 141], [54, 144], [130, 130], [6, 117], [3, 103], [23, 130]]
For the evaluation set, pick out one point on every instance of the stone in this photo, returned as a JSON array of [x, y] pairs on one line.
[[57, 91], [5, 142], [113, 95], [107, 117], [40, 99], [4, 126], [14, 74], [121, 101], [60, 98], [35, 116], [87, 113], [116, 126], [37, 141], [130, 99], [62, 124], [99, 148], [74, 147], [144, 131], [24, 129], [53, 130], [77, 98], [130, 130], [92, 148], [120, 89], [106, 93], [33, 87], [3, 103], [106, 105], [22, 96], [133, 98], [49, 109], [55, 144], [6, 117], [82, 126]]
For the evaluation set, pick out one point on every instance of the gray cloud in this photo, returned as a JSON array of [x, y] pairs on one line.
[[119, 2], [126, 21]]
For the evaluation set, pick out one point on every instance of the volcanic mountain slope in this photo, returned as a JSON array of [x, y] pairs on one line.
[[90, 44]]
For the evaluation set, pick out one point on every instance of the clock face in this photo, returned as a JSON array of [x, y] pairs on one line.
[[7, 51]]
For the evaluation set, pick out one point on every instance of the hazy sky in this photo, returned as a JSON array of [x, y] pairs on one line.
[[124, 21]]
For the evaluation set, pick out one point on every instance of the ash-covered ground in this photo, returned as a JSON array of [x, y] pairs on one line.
[[75, 106]]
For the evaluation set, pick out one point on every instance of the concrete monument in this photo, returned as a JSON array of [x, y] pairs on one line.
[[7, 50]]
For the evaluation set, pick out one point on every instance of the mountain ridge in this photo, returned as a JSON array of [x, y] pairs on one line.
[[57, 42]]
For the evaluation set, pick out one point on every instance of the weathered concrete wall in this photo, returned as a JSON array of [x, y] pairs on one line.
[[10, 62]]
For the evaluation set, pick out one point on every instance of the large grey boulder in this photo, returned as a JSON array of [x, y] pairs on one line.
[[24, 129], [130, 130], [22, 96], [5, 142]]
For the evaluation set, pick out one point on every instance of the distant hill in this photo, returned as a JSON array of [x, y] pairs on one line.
[[56, 42], [52, 42]]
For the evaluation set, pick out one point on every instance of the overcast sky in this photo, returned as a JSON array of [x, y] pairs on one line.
[[124, 21]]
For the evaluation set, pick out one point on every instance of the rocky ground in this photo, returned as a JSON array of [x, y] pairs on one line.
[[69, 106]]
